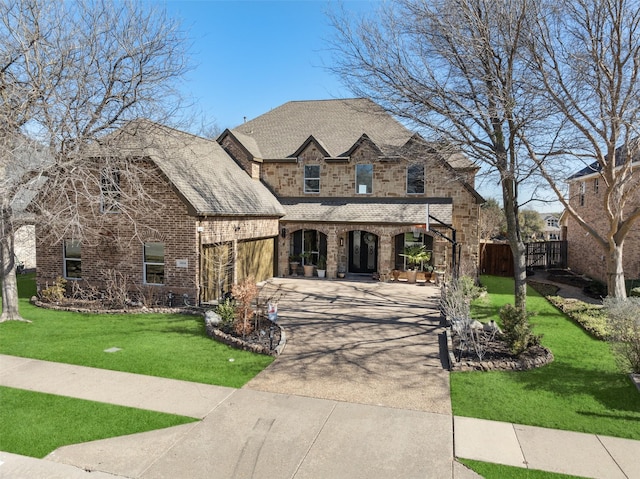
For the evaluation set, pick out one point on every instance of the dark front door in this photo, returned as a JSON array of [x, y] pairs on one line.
[[363, 252]]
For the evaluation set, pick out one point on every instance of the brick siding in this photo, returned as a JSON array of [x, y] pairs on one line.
[[585, 255]]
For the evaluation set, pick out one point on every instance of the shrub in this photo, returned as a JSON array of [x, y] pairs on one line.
[[517, 329], [227, 311], [623, 316], [245, 294], [469, 287], [635, 292], [454, 304], [55, 293]]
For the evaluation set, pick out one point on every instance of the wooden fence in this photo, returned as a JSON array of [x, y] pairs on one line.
[[496, 258]]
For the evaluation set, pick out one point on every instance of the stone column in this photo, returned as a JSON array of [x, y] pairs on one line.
[[332, 254]]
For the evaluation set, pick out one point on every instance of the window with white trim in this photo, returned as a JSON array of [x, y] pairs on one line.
[[415, 179], [364, 179], [312, 178], [154, 263], [72, 254]]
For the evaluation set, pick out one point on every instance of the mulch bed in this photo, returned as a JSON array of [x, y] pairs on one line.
[[496, 358]]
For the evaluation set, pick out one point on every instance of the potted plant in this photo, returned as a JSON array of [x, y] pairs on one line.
[[322, 267], [293, 264], [428, 273], [342, 272], [307, 264], [415, 254]]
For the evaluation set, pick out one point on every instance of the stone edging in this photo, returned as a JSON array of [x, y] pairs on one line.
[[133, 310], [522, 363], [238, 343]]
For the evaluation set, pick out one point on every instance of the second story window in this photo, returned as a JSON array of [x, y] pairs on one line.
[[72, 259], [364, 179], [312, 178], [415, 179], [582, 190], [596, 185], [110, 190]]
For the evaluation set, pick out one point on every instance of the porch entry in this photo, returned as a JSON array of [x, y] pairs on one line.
[[363, 252]]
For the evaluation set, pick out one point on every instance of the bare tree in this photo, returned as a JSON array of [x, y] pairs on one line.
[[454, 69], [70, 74], [586, 64], [492, 220]]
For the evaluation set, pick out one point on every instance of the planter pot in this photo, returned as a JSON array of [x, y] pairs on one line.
[[308, 270], [341, 275], [412, 274], [294, 268], [396, 274], [321, 273]]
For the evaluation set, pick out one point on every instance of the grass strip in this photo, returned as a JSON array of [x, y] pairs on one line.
[[580, 391], [498, 471], [35, 424], [166, 345]]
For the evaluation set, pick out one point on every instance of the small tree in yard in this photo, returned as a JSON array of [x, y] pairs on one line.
[[245, 294], [623, 318]]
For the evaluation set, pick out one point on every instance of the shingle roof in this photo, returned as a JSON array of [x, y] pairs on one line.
[[209, 180], [366, 210], [621, 157], [337, 124]]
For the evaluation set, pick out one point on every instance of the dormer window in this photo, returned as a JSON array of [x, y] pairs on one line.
[[312, 178], [364, 179], [415, 179]]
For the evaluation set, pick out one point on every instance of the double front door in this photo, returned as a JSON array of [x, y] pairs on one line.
[[363, 252]]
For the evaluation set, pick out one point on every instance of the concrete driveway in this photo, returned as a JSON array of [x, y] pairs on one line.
[[359, 341]]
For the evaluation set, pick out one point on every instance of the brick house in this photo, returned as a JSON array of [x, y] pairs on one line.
[[354, 184], [586, 195], [202, 224]]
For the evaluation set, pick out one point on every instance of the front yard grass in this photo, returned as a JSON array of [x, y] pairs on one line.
[[499, 471], [172, 346], [34, 424], [581, 390]]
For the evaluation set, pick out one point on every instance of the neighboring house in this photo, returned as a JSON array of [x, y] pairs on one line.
[[354, 184], [586, 195], [202, 225], [551, 230]]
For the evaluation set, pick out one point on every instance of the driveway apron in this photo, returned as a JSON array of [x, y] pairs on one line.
[[359, 341]]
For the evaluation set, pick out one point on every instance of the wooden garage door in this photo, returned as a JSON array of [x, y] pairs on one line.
[[256, 258]]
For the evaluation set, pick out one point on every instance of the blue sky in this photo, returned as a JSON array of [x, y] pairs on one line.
[[252, 56]]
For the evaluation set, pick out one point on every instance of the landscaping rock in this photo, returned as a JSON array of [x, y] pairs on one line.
[[212, 318]]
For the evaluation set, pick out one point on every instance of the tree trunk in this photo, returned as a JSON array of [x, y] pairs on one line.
[[615, 272], [509, 198], [519, 274], [9, 282]]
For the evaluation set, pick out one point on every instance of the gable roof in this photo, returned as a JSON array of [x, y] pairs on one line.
[[204, 175], [337, 124]]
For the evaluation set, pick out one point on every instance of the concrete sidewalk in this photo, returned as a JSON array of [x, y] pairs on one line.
[[246, 433]]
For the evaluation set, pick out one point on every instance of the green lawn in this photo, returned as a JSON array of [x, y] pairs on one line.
[[34, 424], [166, 345], [580, 391], [498, 471]]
